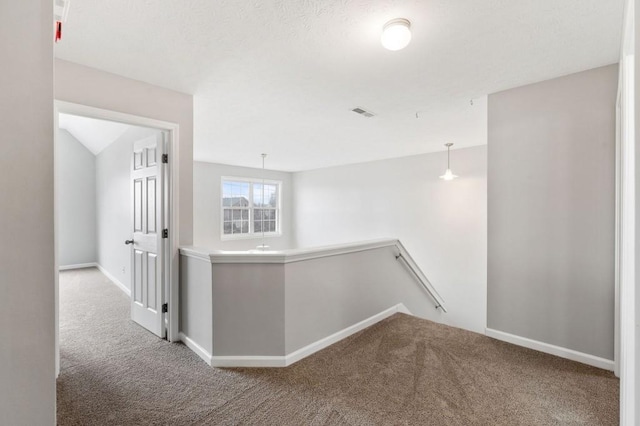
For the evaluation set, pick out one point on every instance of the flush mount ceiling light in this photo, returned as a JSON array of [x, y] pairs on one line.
[[448, 175], [396, 34]]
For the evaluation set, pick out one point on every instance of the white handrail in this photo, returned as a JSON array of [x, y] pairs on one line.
[[413, 266]]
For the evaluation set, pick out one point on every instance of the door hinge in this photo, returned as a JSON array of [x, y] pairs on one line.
[[165, 233], [165, 158], [165, 308]]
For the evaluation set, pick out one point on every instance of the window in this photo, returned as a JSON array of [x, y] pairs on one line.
[[250, 208]]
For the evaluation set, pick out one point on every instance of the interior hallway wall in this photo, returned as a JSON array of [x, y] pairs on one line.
[[88, 86], [114, 204], [551, 211], [76, 192], [27, 264], [442, 224], [207, 195]]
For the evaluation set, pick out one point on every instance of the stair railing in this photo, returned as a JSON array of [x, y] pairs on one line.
[[422, 278]]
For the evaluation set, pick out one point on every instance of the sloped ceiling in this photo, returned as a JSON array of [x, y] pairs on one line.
[[281, 76], [94, 134]]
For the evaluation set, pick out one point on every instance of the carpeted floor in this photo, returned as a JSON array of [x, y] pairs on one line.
[[401, 371]]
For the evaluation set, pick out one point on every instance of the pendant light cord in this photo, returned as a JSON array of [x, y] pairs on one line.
[[448, 145]]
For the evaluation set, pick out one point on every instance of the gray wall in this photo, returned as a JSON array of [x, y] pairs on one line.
[[114, 204], [27, 290], [328, 294], [76, 192], [551, 189], [206, 211], [234, 309], [248, 309], [442, 224]]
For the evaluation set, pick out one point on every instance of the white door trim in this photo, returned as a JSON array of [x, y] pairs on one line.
[[626, 222], [173, 257]]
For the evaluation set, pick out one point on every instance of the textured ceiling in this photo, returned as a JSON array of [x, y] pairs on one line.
[[281, 76], [94, 134]]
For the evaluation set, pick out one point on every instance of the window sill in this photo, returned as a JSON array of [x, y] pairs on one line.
[[250, 236]]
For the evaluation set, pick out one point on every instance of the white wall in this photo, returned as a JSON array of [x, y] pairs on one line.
[[27, 291], [442, 224], [76, 203], [114, 204], [88, 86], [633, 403], [207, 199]]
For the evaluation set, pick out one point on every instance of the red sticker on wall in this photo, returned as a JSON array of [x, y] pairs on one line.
[[58, 31]]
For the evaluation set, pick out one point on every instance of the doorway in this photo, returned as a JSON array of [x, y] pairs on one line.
[[134, 166]]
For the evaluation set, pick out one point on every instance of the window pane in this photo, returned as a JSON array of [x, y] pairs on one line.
[[245, 214], [226, 194], [235, 194], [257, 226], [226, 189], [241, 194], [257, 214], [227, 214], [268, 198], [237, 214], [257, 195], [271, 226], [227, 227], [270, 195]]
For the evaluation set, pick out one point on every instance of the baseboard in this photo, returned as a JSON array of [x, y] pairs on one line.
[[248, 361], [78, 266], [403, 309], [199, 350], [284, 361], [592, 360], [114, 280], [342, 334]]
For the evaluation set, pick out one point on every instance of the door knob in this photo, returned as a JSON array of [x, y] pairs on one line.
[[128, 242]]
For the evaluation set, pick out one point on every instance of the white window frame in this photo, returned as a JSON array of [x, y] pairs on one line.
[[252, 235]]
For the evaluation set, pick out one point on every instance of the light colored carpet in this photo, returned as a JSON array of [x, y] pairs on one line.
[[401, 371]]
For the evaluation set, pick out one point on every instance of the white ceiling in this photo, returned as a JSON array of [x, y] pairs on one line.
[[94, 134], [281, 76]]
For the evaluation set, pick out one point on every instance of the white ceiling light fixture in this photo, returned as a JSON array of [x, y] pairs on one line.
[[448, 175], [396, 34]]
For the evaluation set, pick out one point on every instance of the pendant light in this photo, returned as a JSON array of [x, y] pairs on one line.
[[263, 246], [448, 175]]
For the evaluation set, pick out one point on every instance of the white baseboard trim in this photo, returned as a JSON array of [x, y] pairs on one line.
[[547, 348], [114, 280], [248, 361], [342, 334], [78, 266], [284, 361], [199, 350]]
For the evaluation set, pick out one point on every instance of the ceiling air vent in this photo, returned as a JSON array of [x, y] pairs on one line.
[[363, 112]]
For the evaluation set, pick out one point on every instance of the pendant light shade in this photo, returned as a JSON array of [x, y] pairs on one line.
[[448, 174]]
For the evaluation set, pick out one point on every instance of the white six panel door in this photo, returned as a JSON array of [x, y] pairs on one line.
[[147, 253]]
